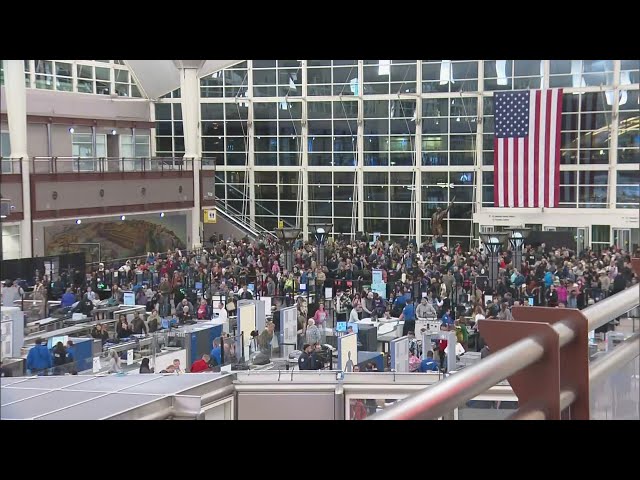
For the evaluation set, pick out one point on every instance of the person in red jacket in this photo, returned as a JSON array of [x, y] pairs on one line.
[[201, 365], [442, 345]]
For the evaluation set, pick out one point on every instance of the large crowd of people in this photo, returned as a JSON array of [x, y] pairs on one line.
[[449, 279], [421, 281]]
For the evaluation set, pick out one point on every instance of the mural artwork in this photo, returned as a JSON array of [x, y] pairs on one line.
[[119, 239]]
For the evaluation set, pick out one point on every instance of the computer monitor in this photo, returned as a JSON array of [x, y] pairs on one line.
[[353, 326], [341, 326], [198, 285], [129, 299], [531, 301], [52, 342], [251, 287]]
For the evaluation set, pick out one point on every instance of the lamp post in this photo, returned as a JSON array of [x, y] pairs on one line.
[[516, 239], [321, 232], [493, 242], [287, 236]]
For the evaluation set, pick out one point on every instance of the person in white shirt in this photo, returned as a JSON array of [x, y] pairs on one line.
[[90, 295], [353, 316], [478, 315], [221, 315]]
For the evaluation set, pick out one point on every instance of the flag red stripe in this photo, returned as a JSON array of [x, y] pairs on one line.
[[536, 147], [558, 140], [496, 173], [505, 173], [547, 147], [525, 165], [516, 173]]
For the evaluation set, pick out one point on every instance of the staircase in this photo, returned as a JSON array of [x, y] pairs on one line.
[[239, 223]]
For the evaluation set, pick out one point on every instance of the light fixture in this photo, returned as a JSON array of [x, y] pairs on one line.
[[320, 231], [78, 222], [517, 237], [161, 214], [287, 233], [493, 241], [113, 132], [123, 217], [71, 129]]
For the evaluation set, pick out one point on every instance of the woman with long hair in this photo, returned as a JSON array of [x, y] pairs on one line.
[[144, 366]]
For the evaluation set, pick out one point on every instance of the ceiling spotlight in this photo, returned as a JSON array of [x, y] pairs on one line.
[[113, 132], [123, 217], [78, 222], [161, 214], [71, 129]]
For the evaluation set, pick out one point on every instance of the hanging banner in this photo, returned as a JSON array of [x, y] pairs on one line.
[[210, 216]]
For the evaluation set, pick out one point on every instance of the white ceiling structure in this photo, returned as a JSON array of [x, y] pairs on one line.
[[159, 77]]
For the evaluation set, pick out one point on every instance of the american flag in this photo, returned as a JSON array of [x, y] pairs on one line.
[[526, 155]]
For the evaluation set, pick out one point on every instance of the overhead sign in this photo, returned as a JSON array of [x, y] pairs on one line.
[[210, 216]]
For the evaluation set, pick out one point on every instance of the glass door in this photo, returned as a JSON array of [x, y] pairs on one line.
[[582, 239], [622, 238]]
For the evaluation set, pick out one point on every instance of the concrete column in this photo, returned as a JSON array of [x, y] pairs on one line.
[[250, 177], [16, 100], [190, 99], [360, 162], [417, 167], [613, 144], [304, 171]]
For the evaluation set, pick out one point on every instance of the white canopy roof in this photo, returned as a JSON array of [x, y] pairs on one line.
[[159, 77]]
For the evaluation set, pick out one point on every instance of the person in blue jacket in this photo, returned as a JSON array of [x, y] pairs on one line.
[[68, 299], [548, 279], [446, 318], [39, 359], [216, 352], [71, 352], [429, 364]]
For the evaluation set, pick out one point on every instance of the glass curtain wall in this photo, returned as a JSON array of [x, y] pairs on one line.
[[100, 77], [358, 142]]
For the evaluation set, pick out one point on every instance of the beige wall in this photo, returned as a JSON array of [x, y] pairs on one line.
[[82, 105], [85, 194]]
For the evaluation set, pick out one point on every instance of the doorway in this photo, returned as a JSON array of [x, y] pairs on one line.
[[622, 238]]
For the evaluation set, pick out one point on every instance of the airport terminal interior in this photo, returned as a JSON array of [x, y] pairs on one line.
[[320, 239]]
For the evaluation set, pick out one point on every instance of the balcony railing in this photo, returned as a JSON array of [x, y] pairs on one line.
[[542, 348], [11, 165], [62, 165]]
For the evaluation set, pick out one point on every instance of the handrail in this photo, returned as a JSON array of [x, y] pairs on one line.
[[10, 162], [621, 355], [457, 389], [252, 226], [598, 372], [55, 165]]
